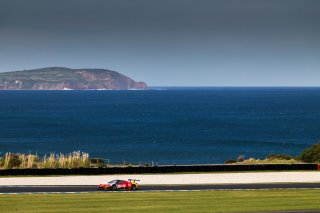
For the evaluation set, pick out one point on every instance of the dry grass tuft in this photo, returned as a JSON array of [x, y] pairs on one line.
[[74, 159]]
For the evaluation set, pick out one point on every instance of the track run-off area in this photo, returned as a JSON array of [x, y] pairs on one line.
[[165, 182], [168, 179]]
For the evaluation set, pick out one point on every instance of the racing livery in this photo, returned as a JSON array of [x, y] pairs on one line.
[[130, 184]]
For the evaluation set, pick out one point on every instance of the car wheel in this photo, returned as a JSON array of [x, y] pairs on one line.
[[133, 187], [114, 187]]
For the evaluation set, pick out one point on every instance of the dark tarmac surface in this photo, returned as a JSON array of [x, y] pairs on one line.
[[68, 189]]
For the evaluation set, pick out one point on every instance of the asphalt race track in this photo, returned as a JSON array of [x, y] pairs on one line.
[[78, 189]]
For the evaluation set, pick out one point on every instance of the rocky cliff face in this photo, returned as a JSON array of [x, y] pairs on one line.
[[60, 78]]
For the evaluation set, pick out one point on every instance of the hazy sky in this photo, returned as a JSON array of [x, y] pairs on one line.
[[168, 42]]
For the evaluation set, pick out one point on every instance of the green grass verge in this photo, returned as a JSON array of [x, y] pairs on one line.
[[194, 201]]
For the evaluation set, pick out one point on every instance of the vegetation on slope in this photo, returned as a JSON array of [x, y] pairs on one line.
[[72, 160], [79, 159], [58, 78], [308, 155], [311, 154]]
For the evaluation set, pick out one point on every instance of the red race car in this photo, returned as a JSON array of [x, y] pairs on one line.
[[130, 184]]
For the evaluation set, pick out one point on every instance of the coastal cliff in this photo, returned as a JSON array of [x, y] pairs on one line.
[[61, 78]]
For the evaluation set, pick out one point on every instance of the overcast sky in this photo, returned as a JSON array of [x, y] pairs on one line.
[[168, 42]]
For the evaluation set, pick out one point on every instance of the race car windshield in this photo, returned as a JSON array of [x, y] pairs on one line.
[[114, 181]]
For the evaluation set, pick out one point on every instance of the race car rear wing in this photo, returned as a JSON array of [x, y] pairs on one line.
[[134, 180]]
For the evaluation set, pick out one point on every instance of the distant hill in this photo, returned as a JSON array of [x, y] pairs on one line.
[[61, 78]]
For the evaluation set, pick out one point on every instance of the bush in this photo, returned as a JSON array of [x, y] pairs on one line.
[[311, 154], [97, 162], [279, 157], [72, 160], [1, 162], [240, 158], [230, 161], [75, 159], [11, 161]]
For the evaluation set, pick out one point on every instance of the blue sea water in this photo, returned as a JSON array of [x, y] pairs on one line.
[[169, 126]]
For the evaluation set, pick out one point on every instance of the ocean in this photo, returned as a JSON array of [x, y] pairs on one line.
[[165, 126]]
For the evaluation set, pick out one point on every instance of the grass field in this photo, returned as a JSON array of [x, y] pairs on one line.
[[195, 201]]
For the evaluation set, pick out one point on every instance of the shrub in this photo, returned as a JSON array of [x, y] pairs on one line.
[[311, 154], [1, 162], [240, 158], [72, 160], [230, 161], [279, 157], [11, 161], [97, 162]]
